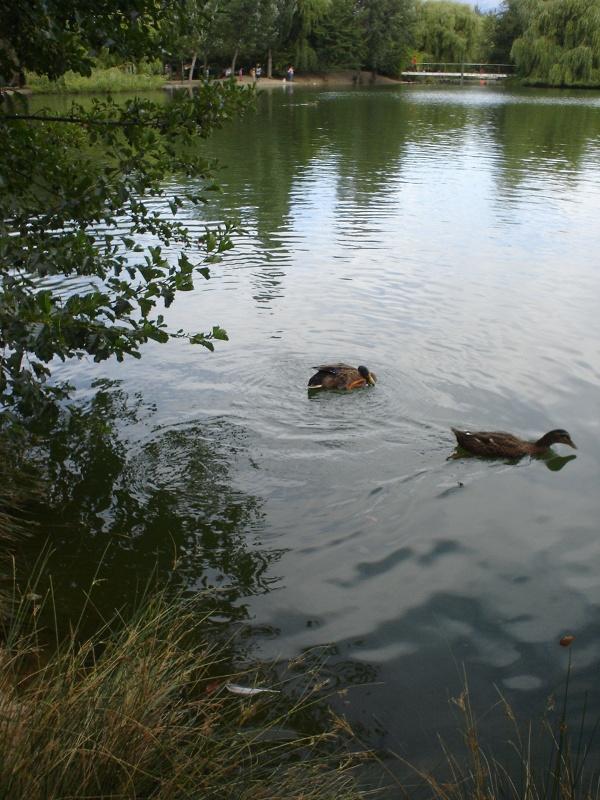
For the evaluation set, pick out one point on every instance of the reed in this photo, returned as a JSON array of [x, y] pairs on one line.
[[549, 760]]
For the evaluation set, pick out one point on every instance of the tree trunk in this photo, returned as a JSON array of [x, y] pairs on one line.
[[191, 75], [233, 60], [270, 64]]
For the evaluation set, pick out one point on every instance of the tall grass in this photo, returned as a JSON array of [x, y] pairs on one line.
[[141, 710], [111, 79], [547, 761]]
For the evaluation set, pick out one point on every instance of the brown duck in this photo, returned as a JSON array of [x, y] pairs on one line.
[[504, 445], [341, 376]]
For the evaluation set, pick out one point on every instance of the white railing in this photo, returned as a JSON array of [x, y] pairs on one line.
[[459, 69]]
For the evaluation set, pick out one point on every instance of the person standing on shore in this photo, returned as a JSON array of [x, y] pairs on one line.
[[290, 73]]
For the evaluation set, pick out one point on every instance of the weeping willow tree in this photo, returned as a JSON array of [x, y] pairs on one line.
[[307, 16], [560, 45], [447, 31]]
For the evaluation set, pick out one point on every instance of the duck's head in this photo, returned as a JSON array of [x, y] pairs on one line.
[[368, 376], [557, 436]]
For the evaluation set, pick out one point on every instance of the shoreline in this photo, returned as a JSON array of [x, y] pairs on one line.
[[339, 78], [347, 78]]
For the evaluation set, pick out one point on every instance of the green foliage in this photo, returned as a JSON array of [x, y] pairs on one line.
[[339, 36], [388, 33], [111, 79], [311, 34], [192, 27], [275, 21], [500, 29], [83, 270], [82, 263], [448, 31], [560, 42], [52, 36], [307, 16], [238, 37]]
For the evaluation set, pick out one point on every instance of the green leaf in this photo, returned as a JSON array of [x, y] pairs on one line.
[[219, 333], [44, 301]]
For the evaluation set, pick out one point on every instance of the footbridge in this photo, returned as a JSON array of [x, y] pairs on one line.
[[457, 71]]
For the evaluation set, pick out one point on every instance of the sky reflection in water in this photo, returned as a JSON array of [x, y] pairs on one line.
[[448, 240]]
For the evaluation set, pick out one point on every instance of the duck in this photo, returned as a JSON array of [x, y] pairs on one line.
[[341, 376], [497, 444]]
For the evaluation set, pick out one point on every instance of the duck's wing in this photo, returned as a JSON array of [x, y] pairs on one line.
[[490, 442], [334, 369], [496, 438], [333, 376]]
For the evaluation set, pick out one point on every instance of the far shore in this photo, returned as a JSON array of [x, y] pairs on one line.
[[339, 78], [114, 81]]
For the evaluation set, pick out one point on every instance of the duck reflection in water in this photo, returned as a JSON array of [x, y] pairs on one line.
[[556, 463]]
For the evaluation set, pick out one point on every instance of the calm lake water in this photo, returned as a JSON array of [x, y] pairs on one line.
[[448, 239]]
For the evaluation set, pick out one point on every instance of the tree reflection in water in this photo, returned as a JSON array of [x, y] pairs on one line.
[[128, 504], [129, 509]]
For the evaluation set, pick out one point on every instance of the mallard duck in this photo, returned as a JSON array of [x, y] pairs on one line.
[[504, 445], [341, 376]]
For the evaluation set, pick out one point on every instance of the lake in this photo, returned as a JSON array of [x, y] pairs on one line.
[[448, 239]]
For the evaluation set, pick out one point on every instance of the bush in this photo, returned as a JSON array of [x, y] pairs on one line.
[[110, 79]]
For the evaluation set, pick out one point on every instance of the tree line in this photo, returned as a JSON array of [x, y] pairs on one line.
[[550, 42]]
